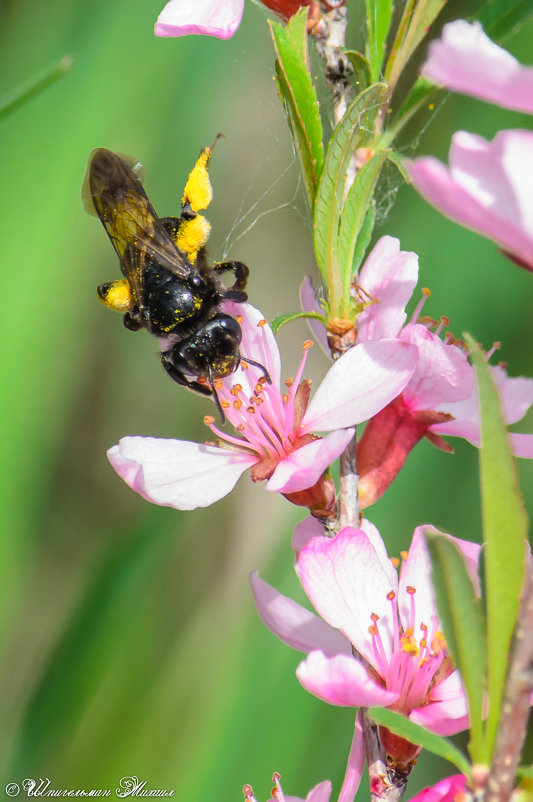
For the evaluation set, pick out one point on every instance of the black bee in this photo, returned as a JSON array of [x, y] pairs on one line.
[[168, 288]]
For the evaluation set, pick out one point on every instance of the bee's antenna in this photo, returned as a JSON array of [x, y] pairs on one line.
[[266, 374]]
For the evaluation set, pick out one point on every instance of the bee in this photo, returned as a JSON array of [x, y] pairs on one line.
[[169, 288]]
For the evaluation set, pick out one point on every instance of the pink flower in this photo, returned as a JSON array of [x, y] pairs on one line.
[[516, 395], [446, 790], [466, 60], [219, 18], [320, 793], [486, 188], [274, 431], [379, 639]]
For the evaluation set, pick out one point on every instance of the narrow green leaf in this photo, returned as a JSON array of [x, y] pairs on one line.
[[399, 163], [504, 533], [416, 20], [419, 735], [23, 93], [297, 32], [361, 69], [281, 320], [358, 202], [351, 132], [462, 620], [378, 20], [299, 97], [500, 17]]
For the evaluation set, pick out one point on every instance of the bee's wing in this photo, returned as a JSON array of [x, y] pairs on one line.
[[113, 192]]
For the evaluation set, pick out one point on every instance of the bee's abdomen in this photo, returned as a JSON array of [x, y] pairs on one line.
[[173, 304]]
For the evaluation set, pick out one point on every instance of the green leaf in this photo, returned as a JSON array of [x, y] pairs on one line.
[[299, 98], [417, 98], [504, 533], [419, 735], [358, 203], [361, 69], [23, 93], [395, 158], [364, 236], [525, 771], [281, 320], [416, 20], [351, 132], [462, 620], [378, 20], [500, 17]]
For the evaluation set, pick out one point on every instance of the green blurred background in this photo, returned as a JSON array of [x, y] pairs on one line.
[[130, 643]]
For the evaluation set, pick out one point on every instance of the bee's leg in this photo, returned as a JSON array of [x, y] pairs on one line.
[[180, 378], [241, 272]]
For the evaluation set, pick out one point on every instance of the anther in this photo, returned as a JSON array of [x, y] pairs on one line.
[[225, 404], [218, 384], [404, 555], [244, 365], [410, 589], [285, 398], [239, 319], [395, 561], [248, 791], [289, 382], [374, 617], [391, 595], [262, 323], [208, 420], [237, 404], [262, 380], [236, 389], [250, 409], [307, 344], [240, 427]]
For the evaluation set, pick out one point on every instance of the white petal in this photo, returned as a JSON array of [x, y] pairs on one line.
[[178, 473]]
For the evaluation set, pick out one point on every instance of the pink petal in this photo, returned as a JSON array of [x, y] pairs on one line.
[[486, 189], [356, 764], [293, 624], [359, 384], [305, 466], [446, 790], [341, 680], [219, 18], [389, 275], [416, 573], [466, 60], [447, 713], [442, 373], [304, 531], [178, 473], [309, 303], [346, 583], [258, 343], [320, 793], [516, 394], [522, 445]]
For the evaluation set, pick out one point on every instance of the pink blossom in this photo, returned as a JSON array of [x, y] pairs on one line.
[[516, 395], [465, 60], [274, 430], [320, 793], [219, 18], [390, 625], [486, 188], [446, 790]]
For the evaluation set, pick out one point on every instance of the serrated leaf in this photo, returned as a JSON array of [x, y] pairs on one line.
[[358, 203], [419, 735], [361, 69], [500, 17], [297, 32], [300, 100], [281, 320], [462, 620], [378, 20], [350, 133], [504, 533]]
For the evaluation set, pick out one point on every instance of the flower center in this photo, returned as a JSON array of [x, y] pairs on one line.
[[267, 421], [415, 659]]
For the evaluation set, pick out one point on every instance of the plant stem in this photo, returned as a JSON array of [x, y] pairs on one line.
[[385, 783], [349, 484], [330, 37], [515, 708]]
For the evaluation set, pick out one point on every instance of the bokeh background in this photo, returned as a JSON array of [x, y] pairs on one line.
[[130, 643]]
